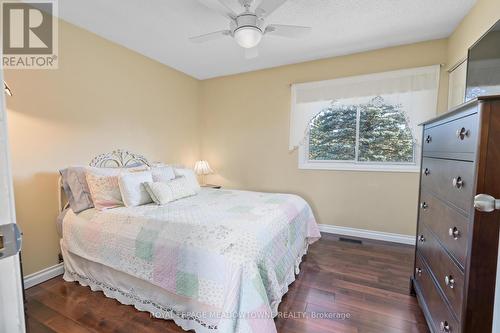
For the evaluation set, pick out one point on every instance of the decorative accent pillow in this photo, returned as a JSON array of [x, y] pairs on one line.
[[162, 173], [132, 189], [104, 188], [190, 177], [165, 192], [75, 186]]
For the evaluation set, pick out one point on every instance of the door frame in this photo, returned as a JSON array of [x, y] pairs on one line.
[[12, 316]]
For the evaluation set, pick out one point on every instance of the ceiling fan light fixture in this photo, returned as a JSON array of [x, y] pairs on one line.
[[248, 36]]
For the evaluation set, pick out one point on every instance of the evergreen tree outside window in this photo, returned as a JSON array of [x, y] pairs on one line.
[[374, 132], [332, 134]]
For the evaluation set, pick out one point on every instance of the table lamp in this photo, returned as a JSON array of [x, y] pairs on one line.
[[202, 168]]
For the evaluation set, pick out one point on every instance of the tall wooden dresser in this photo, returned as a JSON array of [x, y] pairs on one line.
[[457, 234]]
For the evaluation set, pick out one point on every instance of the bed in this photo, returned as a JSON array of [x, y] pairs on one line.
[[219, 261]]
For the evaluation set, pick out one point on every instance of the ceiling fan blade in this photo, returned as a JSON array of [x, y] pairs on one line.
[[219, 7], [210, 36], [252, 53], [267, 7], [289, 31]]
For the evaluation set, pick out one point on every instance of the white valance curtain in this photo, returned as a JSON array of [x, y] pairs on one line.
[[415, 89]]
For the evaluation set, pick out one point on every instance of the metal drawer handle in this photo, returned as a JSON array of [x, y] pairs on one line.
[[424, 205], [418, 271], [421, 238], [453, 232], [462, 133], [427, 171], [428, 139], [458, 182], [486, 203], [449, 281], [444, 326]]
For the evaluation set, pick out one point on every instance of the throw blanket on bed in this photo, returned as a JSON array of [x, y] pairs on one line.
[[228, 256]]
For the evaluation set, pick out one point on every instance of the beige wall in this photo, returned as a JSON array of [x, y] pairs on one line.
[[482, 16], [102, 97], [245, 126]]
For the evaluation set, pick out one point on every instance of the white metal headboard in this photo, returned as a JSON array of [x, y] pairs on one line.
[[116, 159]]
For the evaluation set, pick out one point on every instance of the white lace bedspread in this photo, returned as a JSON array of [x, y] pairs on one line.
[[227, 256]]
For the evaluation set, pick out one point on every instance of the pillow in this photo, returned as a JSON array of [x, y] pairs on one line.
[[137, 165], [162, 173], [190, 177], [75, 186], [104, 188], [163, 193], [132, 189]]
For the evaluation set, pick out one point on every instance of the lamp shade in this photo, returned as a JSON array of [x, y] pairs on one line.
[[202, 168]]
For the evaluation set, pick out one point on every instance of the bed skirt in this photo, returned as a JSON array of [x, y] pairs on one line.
[[145, 296]]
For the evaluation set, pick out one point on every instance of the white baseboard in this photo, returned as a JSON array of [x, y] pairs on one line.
[[43, 275], [370, 234]]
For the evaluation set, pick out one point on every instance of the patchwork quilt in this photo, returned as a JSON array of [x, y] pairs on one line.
[[227, 256]]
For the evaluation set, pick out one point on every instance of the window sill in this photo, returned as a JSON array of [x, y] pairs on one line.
[[413, 168]]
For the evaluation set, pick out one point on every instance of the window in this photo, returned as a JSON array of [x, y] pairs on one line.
[[372, 132], [384, 134], [456, 84], [363, 131], [332, 134]]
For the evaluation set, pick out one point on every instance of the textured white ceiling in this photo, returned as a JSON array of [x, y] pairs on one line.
[[160, 29]]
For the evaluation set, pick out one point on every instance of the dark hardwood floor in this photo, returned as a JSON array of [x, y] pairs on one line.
[[357, 287]]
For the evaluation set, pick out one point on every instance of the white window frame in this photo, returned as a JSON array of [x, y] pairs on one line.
[[457, 83], [355, 165], [416, 89]]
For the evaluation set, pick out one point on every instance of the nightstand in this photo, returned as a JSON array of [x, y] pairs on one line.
[[217, 187]]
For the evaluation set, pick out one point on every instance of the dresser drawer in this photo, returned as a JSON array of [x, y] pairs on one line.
[[441, 318], [450, 180], [447, 274], [454, 139], [447, 224]]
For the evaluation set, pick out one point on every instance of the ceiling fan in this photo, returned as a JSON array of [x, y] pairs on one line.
[[250, 26]]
